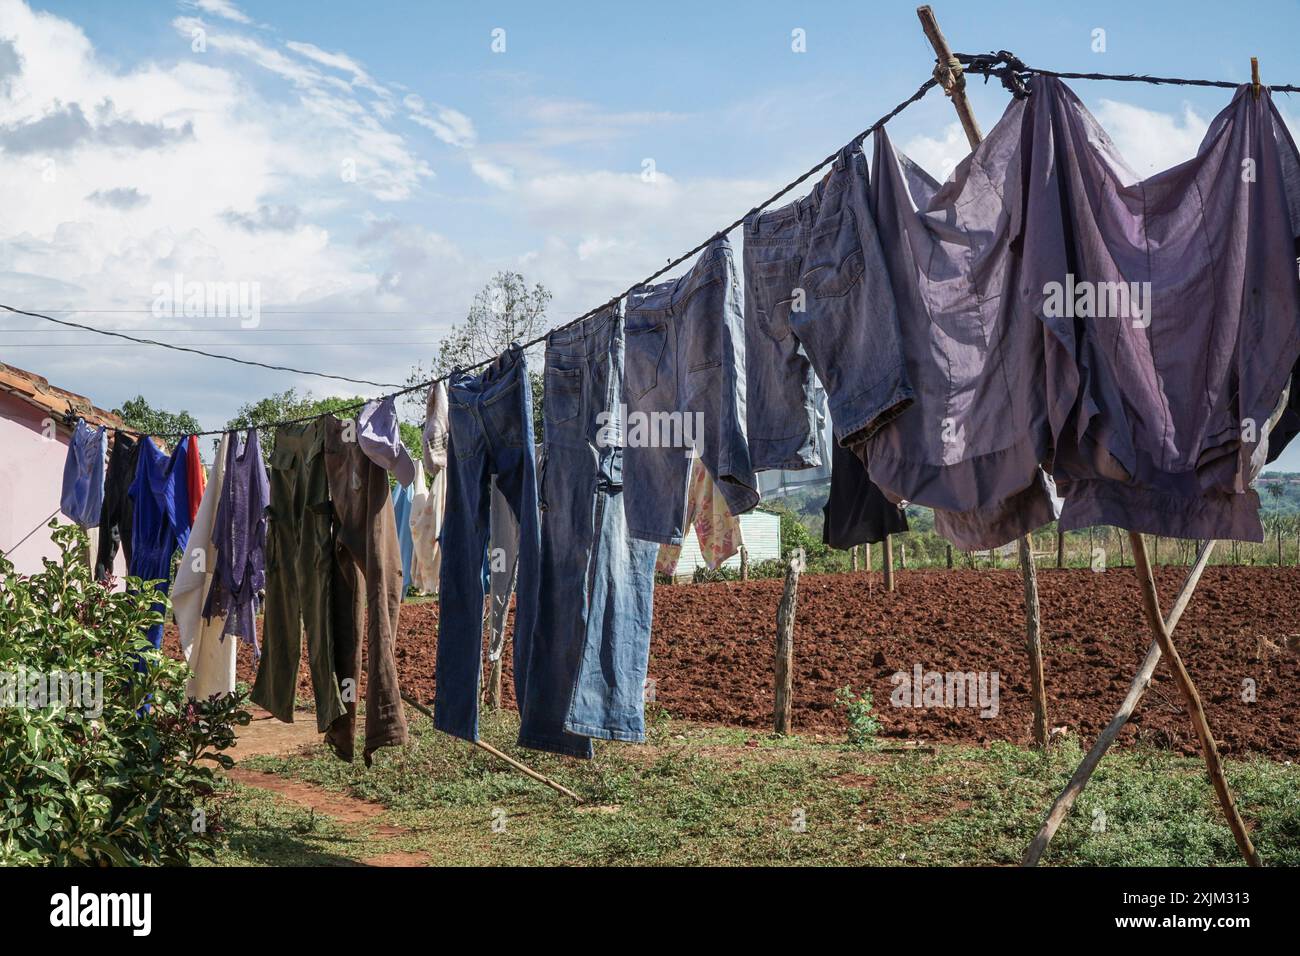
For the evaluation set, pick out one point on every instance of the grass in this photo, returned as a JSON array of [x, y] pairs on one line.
[[698, 795]]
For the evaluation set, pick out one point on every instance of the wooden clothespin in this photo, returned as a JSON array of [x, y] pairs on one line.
[[1254, 76]]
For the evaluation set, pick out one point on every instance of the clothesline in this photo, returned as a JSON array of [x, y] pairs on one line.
[[1006, 66]]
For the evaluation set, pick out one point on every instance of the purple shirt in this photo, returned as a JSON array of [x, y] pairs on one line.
[[239, 539]]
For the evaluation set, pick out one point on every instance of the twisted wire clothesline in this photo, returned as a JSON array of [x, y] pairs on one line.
[[1007, 67]]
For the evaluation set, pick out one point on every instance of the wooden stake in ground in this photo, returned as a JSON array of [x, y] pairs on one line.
[[784, 696], [1034, 643], [488, 748], [888, 559], [1210, 750], [949, 74], [1141, 681]]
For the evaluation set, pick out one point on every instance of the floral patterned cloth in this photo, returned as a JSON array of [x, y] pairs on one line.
[[716, 528]]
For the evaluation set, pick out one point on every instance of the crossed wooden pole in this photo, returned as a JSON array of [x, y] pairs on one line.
[[948, 72]]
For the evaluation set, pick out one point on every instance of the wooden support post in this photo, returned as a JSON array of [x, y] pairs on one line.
[[1213, 765], [784, 691], [744, 563], [1141, 681], [1034, 642], [888, 557], [1060, 548], [866, 559], [950, 556], [853, 558], [949, 74], [488, 748]]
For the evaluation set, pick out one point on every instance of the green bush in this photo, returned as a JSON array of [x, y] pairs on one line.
[[118, 774], [861, 723]]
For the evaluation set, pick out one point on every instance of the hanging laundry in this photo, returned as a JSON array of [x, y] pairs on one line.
[[778, 482], [367, 572], [818, 298], [160, 516], [426, 562], [503, 568], [968, 311], [491, 433], [299, 578], [1175, 324], [240, 540], [856, 511], [716, 529], [684, 387], [115, 517], [211, 660], [380, 438], [82, 499], [197, 476], [403, 508], [591, 648], [426, 524]]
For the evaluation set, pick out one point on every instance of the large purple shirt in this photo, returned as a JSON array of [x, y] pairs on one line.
[[1161, 415], [1148, 404]]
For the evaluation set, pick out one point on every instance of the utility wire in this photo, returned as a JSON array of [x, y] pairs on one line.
[[183, 348]]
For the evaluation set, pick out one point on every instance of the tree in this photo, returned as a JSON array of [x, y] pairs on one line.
[[505, 310], [289, 404], [144, 418]]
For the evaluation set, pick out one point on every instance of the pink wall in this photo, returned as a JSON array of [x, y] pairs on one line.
[[31, 479]]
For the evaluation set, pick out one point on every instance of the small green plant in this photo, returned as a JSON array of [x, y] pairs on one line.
[[103, 759], [861, 723]]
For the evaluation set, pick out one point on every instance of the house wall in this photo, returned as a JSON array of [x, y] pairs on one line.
[[31, 480]]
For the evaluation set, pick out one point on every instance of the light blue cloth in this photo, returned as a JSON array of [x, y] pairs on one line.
[[83, 475], [403, 501]]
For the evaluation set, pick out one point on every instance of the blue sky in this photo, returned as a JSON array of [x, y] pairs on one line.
[[224, 163]]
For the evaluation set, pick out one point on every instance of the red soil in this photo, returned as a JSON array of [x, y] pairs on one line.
[[712, 652]]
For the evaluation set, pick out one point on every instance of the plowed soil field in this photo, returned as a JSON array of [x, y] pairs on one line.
[[712, 653]]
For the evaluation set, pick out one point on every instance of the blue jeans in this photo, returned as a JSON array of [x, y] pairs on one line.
[[684, 389], [818, 298], [597, 588], [491, 433]]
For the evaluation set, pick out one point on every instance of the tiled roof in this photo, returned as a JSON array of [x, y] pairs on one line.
[[58, 402]]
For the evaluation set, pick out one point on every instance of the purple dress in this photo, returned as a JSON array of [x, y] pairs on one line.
[[239, 539]]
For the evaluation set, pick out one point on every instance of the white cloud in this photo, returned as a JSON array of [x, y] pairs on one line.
[[221, 8], [493, 174], [940, 155], [1150, 141]]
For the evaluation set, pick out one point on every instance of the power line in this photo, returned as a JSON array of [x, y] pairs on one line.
[[184, 348]]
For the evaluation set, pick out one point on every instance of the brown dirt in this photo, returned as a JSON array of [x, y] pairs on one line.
[[712, 652]]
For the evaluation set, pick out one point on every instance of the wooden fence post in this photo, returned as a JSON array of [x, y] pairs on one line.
[[1060, 548], [853, 558], [1033, 642], [784, 691], [744, 563], [950, 556], [889, 562]]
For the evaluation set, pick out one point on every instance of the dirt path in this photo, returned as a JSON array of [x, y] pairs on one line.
[[266, 736]]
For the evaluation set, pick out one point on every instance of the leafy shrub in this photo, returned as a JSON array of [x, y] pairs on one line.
[[118, 774], [861, 722]]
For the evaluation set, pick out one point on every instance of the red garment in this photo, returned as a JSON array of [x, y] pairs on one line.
[[196, 477]]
